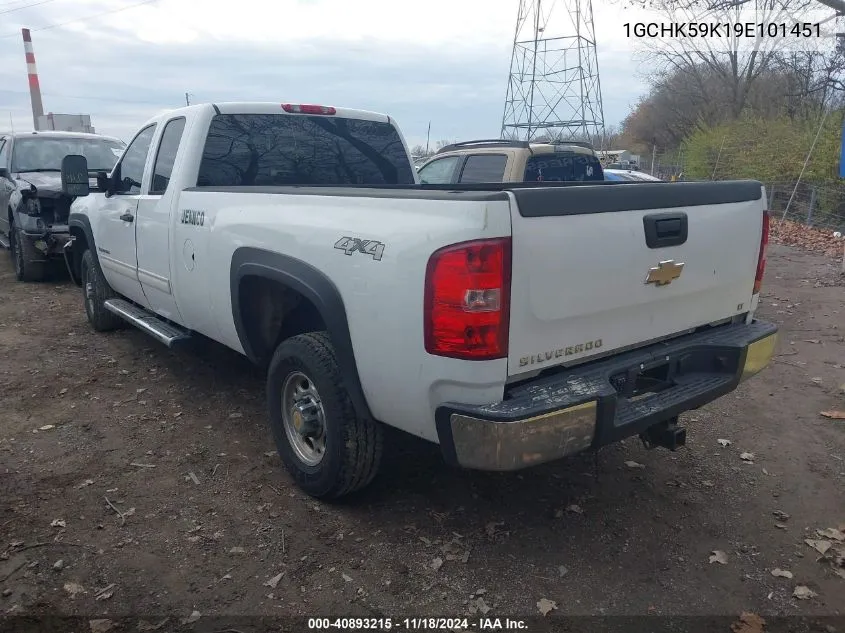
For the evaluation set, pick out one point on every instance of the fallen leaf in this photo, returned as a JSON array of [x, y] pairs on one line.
[[237, 550], [780, 514], [765, 472], [573, 507], [833, 533], [781, 526], [235, 416], [74, 588], [748, 623], [105, 593], [840, 573], [707, 484], [47, 427], [546, 606], [631, 464], [87, 482], [781, 573], [195, 615], [803, 593], [809, 238], [425, 540], [274, 581], [834, 415], [492, 527], [562, 571], [346, 578], [58, 523], [481, 605], [100, 626], [193, 478], [718, 556], [812, 340], [748, 457], [820, 546], [436, 564], [724, 442]]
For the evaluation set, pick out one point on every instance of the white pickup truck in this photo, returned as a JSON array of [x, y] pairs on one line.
[[513, 324]]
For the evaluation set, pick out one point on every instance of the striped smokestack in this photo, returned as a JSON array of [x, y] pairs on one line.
[[32, 72]]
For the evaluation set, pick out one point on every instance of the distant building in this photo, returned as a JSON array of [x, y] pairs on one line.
[[65, 123]]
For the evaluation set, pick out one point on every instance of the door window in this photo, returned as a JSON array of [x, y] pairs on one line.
[[4, 153], [166, 156], [440, 171], [132, 165], [485, 168]]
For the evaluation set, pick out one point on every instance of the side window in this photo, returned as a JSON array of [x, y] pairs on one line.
[[132, 165], [484, 168], [4, 153], [166, 156], [439, 172]]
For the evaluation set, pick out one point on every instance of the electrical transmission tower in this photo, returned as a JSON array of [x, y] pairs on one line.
[[554, 88]]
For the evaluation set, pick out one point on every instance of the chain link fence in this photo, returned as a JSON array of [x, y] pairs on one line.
[[821, 206]]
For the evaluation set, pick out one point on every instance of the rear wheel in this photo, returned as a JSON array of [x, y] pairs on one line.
[[328, 448], [95, 292], [28, 262]]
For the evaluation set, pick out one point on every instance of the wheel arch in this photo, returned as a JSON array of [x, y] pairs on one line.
[[312, 285], [79, 227]]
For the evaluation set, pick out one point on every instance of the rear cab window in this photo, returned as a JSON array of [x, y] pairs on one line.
[[285, 149], [563, 167]]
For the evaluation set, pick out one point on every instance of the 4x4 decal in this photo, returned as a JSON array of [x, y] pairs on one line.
[[350, 245]]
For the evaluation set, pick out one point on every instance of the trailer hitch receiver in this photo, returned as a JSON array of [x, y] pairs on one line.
[[666, 434]]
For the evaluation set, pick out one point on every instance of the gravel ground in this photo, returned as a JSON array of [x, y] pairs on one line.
[[135, 479]]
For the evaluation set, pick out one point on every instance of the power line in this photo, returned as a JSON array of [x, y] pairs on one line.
[[83, 19], [26, 6]]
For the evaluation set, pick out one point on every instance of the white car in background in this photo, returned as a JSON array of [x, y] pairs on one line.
[[629, 175]]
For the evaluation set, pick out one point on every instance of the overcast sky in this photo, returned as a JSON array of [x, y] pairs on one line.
[[443, 61]]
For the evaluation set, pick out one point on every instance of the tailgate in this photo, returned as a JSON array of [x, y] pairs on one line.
[[587, 277]]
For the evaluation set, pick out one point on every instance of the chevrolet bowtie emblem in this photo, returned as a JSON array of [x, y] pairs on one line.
[[664, 273]]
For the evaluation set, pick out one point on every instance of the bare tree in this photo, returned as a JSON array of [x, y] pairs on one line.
[[730, 64]]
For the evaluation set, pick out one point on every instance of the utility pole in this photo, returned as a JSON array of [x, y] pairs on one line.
[[187, 99], [428, 138]]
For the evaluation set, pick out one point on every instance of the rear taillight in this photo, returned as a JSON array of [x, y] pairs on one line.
[[295, 108], [761, 258], [467, 300]]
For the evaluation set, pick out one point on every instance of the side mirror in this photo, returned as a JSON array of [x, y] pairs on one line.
[[4, 173], [103, 181], [75, 176]]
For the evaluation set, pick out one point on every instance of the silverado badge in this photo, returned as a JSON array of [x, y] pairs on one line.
[[664, 273]]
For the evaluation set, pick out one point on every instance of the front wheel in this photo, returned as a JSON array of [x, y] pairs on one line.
[[328, 448], [28, 262], [95, 292]]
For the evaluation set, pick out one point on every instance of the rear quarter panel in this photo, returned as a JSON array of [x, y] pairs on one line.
[[383, 299]]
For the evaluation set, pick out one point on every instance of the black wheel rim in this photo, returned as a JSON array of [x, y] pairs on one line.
[[16, 251]]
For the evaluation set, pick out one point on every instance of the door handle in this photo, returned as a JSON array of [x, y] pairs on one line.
[[127, 217], [665, 229]]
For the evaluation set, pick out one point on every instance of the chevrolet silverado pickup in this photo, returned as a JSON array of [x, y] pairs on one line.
[[33, 222], [510, 324]]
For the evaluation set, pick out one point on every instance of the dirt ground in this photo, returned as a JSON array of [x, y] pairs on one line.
[[94, 425]]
